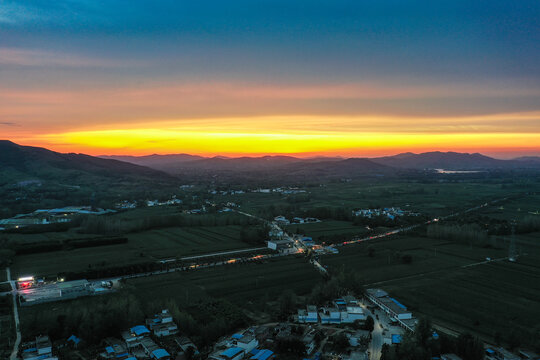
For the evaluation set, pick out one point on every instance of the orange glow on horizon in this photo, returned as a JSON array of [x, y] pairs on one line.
[[150, 141]]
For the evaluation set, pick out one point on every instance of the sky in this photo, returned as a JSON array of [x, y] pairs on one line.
[[346, 78]]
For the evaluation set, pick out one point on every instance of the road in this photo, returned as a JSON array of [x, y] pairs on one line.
[[16, 317]]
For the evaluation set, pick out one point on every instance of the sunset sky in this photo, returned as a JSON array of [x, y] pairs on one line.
[[349, 78]]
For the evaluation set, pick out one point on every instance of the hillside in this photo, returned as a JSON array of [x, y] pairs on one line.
[[33, 162], [445, 160]]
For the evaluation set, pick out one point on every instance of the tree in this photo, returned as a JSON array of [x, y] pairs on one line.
[[340, 341], [423, 331], [287, 303], [369, 324]]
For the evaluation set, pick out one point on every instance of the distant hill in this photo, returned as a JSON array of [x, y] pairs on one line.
[[529, 159], [19, 162], [331, 166], [155, 161], [446, 160]]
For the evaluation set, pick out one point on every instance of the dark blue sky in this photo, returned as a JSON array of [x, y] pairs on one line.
[[403, 58]]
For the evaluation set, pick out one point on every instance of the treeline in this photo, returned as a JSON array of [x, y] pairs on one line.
[[205, 321], [255, 234], [466, 233], [93, 319], [113, 225], [425, 344], [528, 224]]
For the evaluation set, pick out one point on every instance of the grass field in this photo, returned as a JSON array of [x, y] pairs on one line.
[[484, 298], [239, 284], [141, 247]]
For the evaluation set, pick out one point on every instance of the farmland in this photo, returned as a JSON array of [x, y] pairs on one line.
[[142, 246], [248, 286], [483, 298], [240, 283]]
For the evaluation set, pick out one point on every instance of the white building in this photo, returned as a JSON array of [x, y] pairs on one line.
[[392, 307], [279, 244], [233, 353], [308, 315], [41, 349]]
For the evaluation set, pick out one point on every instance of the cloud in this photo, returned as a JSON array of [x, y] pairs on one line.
[[7, 123]]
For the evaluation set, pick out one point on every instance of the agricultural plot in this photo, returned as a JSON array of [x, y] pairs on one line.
[[528, 205], [141, 247], [451, 283], [240, 283]]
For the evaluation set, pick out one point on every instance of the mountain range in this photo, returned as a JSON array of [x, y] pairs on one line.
[[423, 161], [23, 162]]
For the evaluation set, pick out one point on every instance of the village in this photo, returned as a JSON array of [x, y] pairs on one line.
[[347, 328]]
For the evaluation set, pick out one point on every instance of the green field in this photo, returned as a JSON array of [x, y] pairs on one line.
[[143, 246], [240, 283], [484, 298]]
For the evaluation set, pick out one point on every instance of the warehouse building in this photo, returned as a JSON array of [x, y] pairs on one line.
[[395, 310]]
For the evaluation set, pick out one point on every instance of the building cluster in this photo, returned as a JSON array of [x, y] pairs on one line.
[[36, 291], [50, 216], [390, 213], [155, 340], [345, 310], [285, 191], [126, 204], [396, 311], [243, 345], [282, 220], [171, 201], [40, 349], [226, 192]]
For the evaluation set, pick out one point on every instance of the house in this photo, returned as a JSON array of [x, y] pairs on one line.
[[135, 335], [308, 241], [262, 354], [73, 340], [330, 315], [233, 353], [185, 343], [309, 342], [246, 341], [165, 329], [396, 339], [162, 324], [279, 244], [281, 220], [309, 315], [359, 337], [450, 357], [73, 289], [160, 354], [40, 349], [396, 310], [114, 349]]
